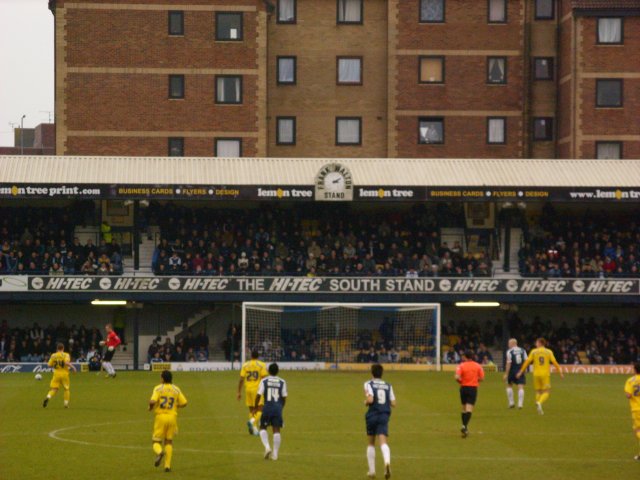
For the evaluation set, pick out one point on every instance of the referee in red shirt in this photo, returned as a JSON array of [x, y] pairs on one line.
[[469, 374]]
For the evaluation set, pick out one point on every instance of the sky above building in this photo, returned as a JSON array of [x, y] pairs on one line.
[[26, 63]]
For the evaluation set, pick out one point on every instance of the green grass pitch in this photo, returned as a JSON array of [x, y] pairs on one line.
[[106, 434]]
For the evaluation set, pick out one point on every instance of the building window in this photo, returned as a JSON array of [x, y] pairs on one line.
[[497, 11], [349, 70], [286, 131], [545, 9], [431, 130], [610, 31], [176, 86], [176, 147], [609, 150], [350, 11], [228, 89], [609, 93], [497, 130], [348, 131], [286, 11], [286, 70], [497, 70], [228, 147], [543, 129], [229, 26], [431, 70], [543, 68], [176, 23], [432, 11]]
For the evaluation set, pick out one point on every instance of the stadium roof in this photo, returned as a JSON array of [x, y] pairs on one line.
[[302, 171]]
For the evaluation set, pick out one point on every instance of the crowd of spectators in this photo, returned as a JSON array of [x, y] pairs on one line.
[[189, 348], [589, 246], [587, 341], [474, 336], [311, 241], [36, 344], [40, 241]]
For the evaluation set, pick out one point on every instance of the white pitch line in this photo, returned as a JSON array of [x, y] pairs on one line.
[[54, 434]]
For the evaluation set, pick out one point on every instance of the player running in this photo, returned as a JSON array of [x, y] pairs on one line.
[[469, 374], [516, 356], [379, 397], [632, 391], [252, 372], [542, 359], [112, 342], [164, 403], [61, 364], [273, 390]]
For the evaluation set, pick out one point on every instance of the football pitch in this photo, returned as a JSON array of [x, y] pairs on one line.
[[106, 434]]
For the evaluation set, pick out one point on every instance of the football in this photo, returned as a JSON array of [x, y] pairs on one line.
[[38, 376]]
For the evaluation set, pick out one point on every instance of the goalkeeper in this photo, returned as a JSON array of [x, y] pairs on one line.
[[111, 343]]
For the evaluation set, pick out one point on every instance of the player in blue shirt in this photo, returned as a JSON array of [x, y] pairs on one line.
[[274, 391], [379, 398], [516, 356]]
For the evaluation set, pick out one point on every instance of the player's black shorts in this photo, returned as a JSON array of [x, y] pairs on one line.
[[377, 423], [468, 395], [271, 418], [108, 355], [512, 380]]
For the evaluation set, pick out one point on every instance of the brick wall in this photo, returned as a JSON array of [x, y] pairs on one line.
[[315, 100], [610, 61], [118, 57], [465, 100]]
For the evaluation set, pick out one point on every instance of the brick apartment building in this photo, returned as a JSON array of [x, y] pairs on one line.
[[348, 78]]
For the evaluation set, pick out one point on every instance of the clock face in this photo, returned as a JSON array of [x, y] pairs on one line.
[[334, 182]]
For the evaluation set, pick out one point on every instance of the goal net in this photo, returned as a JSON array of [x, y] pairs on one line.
[[342, 332]]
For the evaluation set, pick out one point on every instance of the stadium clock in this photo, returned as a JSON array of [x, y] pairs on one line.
[[334, 183]]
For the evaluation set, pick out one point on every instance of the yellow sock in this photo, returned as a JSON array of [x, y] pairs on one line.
[[51, 393], [537, 397], [168, 452], [544, 397], [67, 396], [157, 448], [258, 416]]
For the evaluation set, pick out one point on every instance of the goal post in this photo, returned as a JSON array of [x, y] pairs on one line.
[[338, 333]]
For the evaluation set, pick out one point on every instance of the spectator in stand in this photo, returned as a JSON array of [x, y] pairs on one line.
[[308, 242]]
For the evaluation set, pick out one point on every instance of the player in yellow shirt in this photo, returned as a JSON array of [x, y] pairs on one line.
[[165, 402], [632, 390], [61, 364], [252, 372], [542, 358]]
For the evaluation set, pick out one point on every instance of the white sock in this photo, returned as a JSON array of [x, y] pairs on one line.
[[510, 395], [521, 397], [386, 453], [371, 458], [110, 368], [264, 436], [276, 444]]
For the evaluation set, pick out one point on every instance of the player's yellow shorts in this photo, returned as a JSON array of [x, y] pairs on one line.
[[250, 397], [635, 416], [164, 427], [60, 380], [541, 382]]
